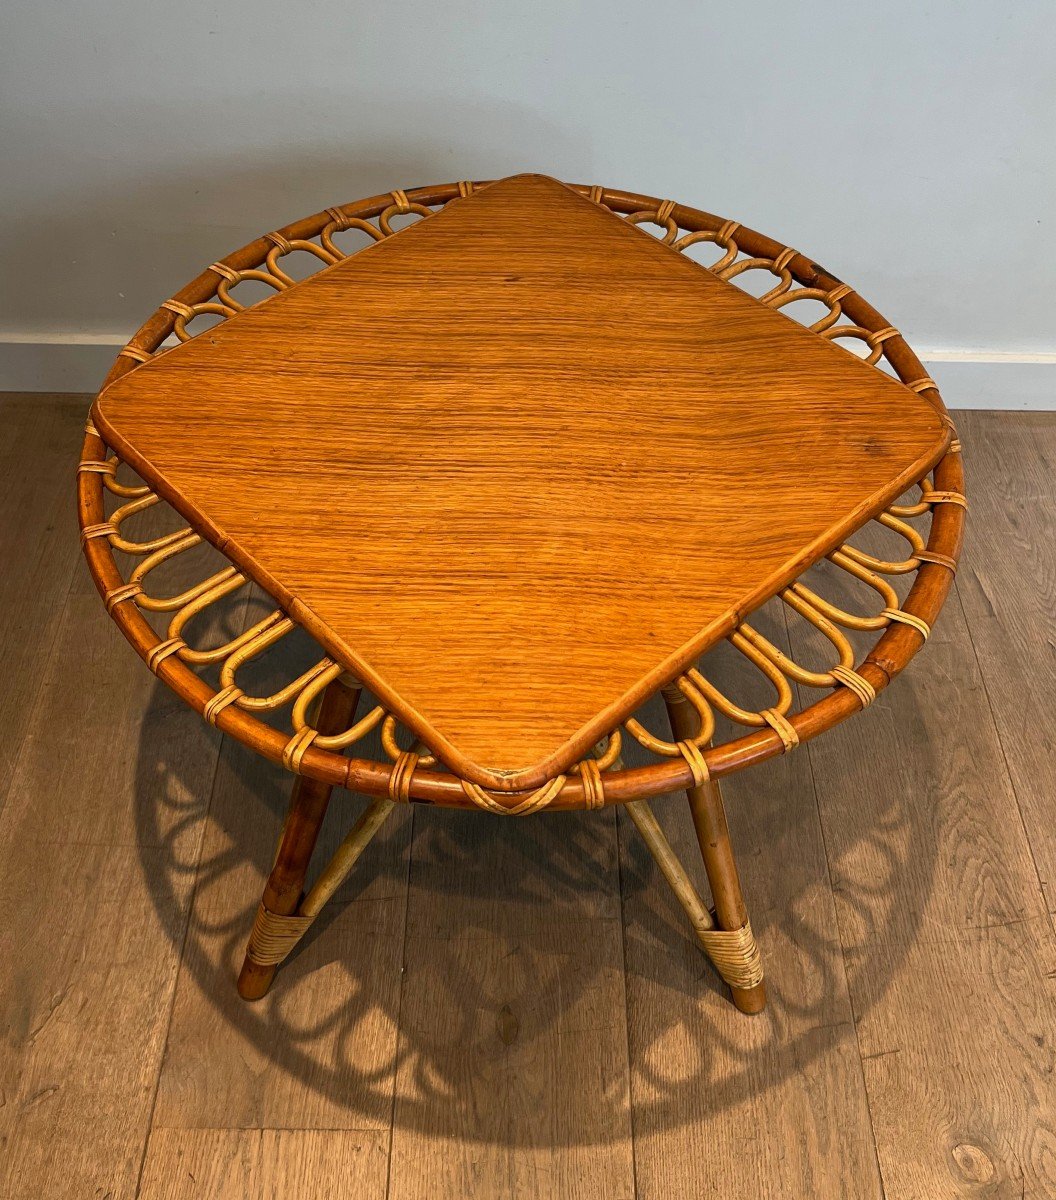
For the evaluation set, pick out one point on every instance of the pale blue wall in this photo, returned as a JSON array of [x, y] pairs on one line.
[[907, 146]]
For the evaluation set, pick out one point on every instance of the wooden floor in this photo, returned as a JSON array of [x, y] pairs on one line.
[[513, 1008]]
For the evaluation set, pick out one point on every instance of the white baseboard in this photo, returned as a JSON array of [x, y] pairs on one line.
[[966, 378], [993, 379], [56, 362]]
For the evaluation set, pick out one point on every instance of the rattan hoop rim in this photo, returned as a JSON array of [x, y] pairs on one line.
[[896, 646]]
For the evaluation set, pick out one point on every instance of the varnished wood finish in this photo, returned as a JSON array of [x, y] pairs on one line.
[[895, 647], [948, 946], [521, 381]]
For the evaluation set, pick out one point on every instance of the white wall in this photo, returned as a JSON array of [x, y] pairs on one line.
[[907, 146]]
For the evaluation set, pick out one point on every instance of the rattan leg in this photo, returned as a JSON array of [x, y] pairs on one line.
[[308, 804], [713, 836], [732, 951]]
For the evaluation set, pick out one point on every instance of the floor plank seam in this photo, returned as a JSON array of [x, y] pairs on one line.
[[399, 1002], [850, 998], [171, 1007], [839, 934], [626, 1003], [1004, 760], [38, 693]]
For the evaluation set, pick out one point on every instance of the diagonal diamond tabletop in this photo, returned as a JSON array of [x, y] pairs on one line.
[[518, 465]]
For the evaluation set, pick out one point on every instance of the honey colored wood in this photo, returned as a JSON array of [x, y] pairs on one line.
[[521, 382], [713, 838]]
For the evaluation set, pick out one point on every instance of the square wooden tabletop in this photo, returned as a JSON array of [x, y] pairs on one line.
[[518, 464]]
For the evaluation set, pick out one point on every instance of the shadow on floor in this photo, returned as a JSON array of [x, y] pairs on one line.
[[531, 953]]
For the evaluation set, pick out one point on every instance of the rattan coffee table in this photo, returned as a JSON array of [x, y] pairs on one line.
[[515, 467]]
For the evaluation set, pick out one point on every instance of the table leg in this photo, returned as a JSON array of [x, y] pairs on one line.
[[308, 805], [713, 836]]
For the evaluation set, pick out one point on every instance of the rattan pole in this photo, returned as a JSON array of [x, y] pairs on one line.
[[334, 873], [713, 836], [308, 804], [671, 869]]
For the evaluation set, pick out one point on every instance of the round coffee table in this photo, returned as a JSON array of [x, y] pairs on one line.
[[515, 467]]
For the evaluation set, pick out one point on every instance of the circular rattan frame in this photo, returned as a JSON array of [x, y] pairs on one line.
[[412, 775]]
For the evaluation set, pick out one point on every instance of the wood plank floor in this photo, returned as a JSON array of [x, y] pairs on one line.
[[497, 1009]]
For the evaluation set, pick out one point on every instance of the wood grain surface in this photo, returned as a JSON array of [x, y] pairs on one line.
[[35, 545], [705, 1081], [513, 1002], [95, 895], [518, 464], [943, 927], [1013, 626], [906, 1053]]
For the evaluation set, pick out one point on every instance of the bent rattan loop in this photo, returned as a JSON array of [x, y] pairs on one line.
[[400, 779], [611, 754], [163, 650], [743, 252], [694, 757], [593, 784], [782, 727], [388, 738], [858, 684], [296, 746], [735, 954], [905, 618]]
